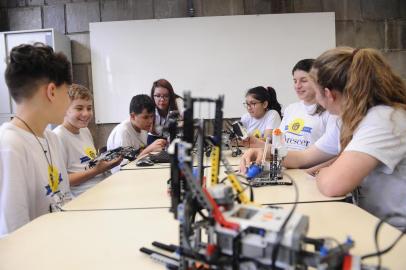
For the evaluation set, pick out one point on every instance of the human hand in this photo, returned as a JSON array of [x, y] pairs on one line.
[[158, 145], [251, 155], [313, 171], [104, 165]]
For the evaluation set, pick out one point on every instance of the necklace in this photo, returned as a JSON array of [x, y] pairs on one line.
[[49, 161]]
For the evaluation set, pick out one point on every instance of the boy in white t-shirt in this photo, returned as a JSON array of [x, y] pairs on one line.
[[134, 131], [33, 177], [78, 143]]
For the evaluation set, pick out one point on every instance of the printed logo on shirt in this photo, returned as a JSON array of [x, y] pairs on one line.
[[90, 154], [297, 127], [256, 133], [54, 178]]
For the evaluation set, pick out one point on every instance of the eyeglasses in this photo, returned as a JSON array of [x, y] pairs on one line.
[[249, 105], [161, 97]]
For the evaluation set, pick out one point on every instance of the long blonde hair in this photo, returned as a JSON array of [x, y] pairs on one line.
[[365, 80]]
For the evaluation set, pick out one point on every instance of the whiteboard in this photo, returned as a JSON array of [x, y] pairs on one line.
[[208, 56]]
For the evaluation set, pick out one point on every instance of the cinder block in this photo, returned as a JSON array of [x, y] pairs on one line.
[[257, 6], [380, 9], [402, 9], [396, 35], [170, 9], [79, 15], [102, 133], [397, 60], [3, 20], [24, 18], [80, 44], [35, 2], [345, 33], [120, 10], [225, 7], [53, 2], [370, 34], [16, 3], [281, 6], [81, 74], [307, 5], [344, 9], [54, 17]]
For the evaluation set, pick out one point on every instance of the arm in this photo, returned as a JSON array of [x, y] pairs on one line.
[[102, 166], [157, 145], [316, 169], [346, 173], [294, 160], [13, 191], [306, 158]]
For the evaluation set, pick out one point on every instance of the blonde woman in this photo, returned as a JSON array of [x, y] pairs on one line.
[[360, 86]]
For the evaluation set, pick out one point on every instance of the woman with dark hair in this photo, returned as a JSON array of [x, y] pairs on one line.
[[264, 112], [360, 87], [165, 101], [303, 122]]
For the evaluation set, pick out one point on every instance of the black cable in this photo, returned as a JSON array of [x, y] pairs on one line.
[[379, 252], [281, 232]]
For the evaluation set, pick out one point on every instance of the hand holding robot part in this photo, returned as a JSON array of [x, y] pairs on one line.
[[127, 152], [239, 130]]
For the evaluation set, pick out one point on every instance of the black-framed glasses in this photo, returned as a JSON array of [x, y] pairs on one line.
[[250, 104], [164, 97]]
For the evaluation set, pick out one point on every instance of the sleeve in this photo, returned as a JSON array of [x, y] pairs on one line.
[[382, 135], [244, 120], [61, 147], [285, 117], [329, 142], [127, 140], [273, 120], [14, 208]]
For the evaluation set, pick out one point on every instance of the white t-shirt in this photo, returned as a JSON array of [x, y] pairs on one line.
[[257, 127], [26, 188], [382, 135], [301, 126], [124, 134], [330, 141], [78, 151]]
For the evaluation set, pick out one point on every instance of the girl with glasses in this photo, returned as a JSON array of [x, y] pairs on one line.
[[264, 113], [360, 87], [165, 101]]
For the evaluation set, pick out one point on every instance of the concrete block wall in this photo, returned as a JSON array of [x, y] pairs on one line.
[[379, 24]]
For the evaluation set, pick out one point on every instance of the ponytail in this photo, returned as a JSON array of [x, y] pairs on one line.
[[273, 103]]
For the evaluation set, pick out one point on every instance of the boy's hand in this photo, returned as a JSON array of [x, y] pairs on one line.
[[158, 144], [104, 165], [251, 155]]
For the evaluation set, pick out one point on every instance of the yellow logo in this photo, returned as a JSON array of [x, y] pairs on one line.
[[296, 126], [90, 152], [53, 178], [256, 133]]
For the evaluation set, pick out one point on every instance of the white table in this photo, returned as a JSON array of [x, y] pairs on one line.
[[111, 239], [149, 189]]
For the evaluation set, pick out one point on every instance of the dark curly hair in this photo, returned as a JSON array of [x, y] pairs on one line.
[[31, 65], [140, 102]]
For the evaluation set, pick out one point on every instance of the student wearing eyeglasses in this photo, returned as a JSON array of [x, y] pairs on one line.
[[303, 122], [264, 113], [165, 101]]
